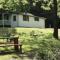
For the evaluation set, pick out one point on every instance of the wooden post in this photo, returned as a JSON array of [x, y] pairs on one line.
[[16, 47], [55, 34], [20, 48], [3, 20]]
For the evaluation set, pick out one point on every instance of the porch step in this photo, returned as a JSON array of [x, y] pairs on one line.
[[5, 25]]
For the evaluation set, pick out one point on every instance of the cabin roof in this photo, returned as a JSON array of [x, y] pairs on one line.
[[31, 15], [16, 12]]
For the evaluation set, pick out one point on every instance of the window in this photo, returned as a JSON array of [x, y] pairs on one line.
[[36, 18], [0, 16], [14, 18], [6, 16], [25, 18]]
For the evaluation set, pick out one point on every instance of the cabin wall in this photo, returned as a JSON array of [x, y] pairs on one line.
[[19, 22], [4, 22], [14, 23], [31, 22]]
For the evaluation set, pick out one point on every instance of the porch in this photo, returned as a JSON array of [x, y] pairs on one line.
[[5, 23], [5, 20]]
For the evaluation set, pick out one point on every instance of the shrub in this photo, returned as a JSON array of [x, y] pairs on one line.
[[47, 47]]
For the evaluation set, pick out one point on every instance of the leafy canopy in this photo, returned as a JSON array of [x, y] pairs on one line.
[[25, 5]]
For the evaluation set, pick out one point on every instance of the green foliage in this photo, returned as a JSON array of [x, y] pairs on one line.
[[7, 32], [47, 47], [23, 5], [12, 31], [17, 5], [13, 5], [38, 41]]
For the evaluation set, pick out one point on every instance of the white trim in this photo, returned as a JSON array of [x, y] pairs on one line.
[[3, 19]]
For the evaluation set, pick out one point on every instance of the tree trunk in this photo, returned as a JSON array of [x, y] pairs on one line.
[[55, 34]]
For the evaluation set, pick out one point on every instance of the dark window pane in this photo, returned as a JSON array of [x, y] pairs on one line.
[[6, 16], [36, 18], [14, 18], [0, 16], [25, 18]]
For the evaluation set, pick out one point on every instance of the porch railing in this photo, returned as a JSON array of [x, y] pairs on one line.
[[6, 22]]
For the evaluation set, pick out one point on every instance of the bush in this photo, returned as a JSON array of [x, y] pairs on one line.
[[47, 47]]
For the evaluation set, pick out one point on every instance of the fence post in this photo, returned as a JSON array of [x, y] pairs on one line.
[[16, 47]]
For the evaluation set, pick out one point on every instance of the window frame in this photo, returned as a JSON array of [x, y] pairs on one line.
[[14, 18], [36, 18], [25, 18], [1, 17], [6, 16]]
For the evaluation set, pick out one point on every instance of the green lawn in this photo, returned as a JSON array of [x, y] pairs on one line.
[[8, 57], [43, 41], [35, 29]]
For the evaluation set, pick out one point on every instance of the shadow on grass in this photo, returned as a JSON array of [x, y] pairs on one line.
[[22, 56], [28, 55], [9, 52]]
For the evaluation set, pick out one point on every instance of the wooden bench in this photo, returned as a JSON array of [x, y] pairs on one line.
[[8, 44], [11, 44], [14, 43]]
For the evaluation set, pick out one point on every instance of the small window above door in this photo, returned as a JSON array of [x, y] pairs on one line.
[[36, 18], [6, 16], [0, 16], [25, 18], [14, 18]]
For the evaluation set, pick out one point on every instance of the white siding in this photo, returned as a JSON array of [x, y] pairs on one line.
[[14, 23], [4, 21], [31, 22], [20, 23]]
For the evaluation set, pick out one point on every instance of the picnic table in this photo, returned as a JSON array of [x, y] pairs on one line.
[[14, 43]]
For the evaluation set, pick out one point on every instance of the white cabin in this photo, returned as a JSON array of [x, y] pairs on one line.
[[21, 20]]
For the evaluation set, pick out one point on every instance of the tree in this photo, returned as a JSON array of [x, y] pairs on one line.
[[49, 13], [13, 5], [55, 21], [44, 8]]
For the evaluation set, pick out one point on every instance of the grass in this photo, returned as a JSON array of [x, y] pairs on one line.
[[24, 34], [35, 29], [8, 56], [31, 42]]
